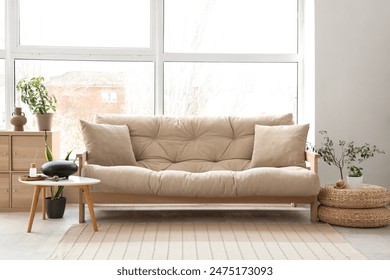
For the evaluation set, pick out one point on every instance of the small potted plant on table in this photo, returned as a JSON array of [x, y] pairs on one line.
[[355, 176], [34, 93]]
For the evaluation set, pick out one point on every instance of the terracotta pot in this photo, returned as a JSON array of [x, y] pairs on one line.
[[44, 121], [18, 119]]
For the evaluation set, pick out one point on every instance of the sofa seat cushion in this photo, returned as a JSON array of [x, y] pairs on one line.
[[262, 181]]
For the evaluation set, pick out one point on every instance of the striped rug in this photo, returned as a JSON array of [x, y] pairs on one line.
[[204, 241]]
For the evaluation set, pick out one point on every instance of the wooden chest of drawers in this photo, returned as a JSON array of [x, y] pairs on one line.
[[17, 151]]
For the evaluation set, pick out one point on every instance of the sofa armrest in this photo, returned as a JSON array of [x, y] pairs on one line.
[[82, 158], [313, 159]]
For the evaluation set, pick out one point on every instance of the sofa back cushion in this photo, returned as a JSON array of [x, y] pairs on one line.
[[195, 143], [279, 146], [107, 144]]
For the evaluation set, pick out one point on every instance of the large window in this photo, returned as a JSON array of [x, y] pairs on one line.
[[2, 95], [222, 57], [2, 24], [85, 23], [85, 88], [229, 88], [231, 26], [175, 57], [2, 66]]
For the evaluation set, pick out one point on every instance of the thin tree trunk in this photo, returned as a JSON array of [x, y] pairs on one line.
[[341, 173]]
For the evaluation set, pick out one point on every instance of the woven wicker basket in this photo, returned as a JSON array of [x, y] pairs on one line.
[[375, 217], [368, 196]]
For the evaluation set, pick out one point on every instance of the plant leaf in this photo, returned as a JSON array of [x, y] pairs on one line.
[[68, 155], [48, 152], [59, 192]]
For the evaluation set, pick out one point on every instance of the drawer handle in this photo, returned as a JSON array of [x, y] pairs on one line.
[[14, 190], [6, 190], [6, 153]]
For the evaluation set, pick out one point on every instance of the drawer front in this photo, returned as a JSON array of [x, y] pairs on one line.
[[4, 153], [26, 150], [4, 191], [22, 194]]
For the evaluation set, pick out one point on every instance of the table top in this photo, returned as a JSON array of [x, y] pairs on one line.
[[72, 181]]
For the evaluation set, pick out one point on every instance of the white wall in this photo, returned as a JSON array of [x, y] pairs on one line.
[[352, 79]]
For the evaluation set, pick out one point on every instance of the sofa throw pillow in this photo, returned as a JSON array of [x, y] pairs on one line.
[[278, 146], [107, 144]]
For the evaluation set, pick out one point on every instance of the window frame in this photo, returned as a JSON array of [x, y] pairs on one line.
[[14, 51], [3, 56], [101, 53], [2, 51]]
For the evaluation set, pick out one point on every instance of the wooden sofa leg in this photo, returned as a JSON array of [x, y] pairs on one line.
[[313, 210], [81, 207]]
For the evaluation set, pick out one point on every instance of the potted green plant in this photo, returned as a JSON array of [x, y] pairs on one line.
[[34, 94], [346, 155], [355, 176], [55, 204]]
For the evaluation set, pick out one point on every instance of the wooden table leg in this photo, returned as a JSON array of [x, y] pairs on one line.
[[81, 207], [88, 198], [44, 203], [34, 204]]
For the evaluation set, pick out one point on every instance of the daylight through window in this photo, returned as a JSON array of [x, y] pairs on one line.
[[174, 57]]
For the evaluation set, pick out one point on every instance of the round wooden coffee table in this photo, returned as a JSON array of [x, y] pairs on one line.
[[81, 183]]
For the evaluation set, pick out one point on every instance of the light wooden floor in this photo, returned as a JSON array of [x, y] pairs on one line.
[[16, 244]]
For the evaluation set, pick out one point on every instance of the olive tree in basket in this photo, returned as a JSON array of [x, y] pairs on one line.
[[346, 154]]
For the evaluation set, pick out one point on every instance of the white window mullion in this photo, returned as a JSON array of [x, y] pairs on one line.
[[37, 54], [81, 52], [255, 58], [301, 116], [159, 52], [11, 41]]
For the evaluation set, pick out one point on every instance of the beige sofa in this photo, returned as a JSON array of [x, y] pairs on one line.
[[160, 159]]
